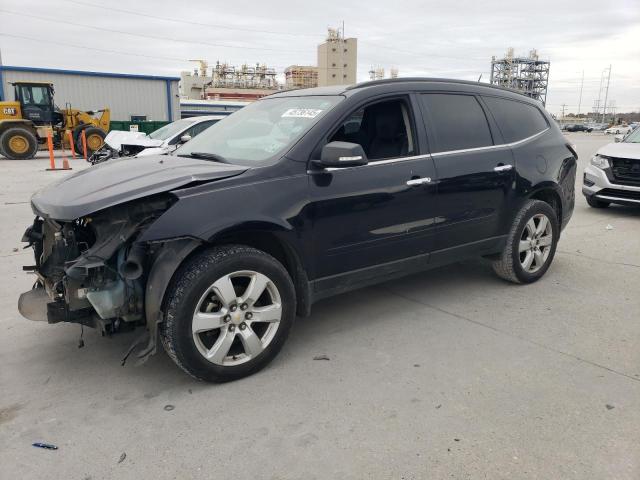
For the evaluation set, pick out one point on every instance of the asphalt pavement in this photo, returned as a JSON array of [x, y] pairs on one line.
[[451, 373]]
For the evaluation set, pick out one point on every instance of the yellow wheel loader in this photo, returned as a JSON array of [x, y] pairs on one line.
[[25, 122]]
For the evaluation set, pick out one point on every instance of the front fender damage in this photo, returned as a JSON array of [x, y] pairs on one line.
[[167, 261]]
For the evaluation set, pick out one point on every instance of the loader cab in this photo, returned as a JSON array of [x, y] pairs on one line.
[[36, 101]]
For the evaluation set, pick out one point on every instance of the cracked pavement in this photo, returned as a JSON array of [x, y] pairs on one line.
[[451, 373]]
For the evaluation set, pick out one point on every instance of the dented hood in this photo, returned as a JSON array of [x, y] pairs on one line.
[[119, 181], [115, 138]]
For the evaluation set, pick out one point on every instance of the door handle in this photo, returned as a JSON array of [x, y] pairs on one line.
[[502, 168], [418, 181]]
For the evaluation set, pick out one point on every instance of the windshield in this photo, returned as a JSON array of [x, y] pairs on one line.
[[262, 130], [171, 129], [633, 137]]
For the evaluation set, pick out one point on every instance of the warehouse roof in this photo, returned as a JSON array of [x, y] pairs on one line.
[[11, 68]]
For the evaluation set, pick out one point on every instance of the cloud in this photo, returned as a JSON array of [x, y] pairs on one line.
[[452, 39]]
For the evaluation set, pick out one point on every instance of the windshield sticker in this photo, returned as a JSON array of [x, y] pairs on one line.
[[301, 113]]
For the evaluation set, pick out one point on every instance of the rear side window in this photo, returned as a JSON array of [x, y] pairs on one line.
[[455, 122], [516, 120]]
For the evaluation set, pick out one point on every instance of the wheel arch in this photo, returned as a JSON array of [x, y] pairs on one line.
[[6, 124], [549, 193], [269, 238], [262, 236]]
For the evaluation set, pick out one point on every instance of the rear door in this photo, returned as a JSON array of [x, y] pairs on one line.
[[475, 172]]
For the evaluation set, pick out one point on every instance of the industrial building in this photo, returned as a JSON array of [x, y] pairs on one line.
[[530, 75], [228, 82], [337, 59], [300, 76], [130, 97], [194, 108], [337, 64]]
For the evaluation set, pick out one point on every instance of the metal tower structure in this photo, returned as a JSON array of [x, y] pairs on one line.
[[530, 75]]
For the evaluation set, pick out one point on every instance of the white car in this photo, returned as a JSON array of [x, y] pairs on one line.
[[160, 142], [618, 129], [613, 174]]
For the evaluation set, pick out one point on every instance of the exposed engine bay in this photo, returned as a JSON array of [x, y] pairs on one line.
[[91, 271], [104, 257]]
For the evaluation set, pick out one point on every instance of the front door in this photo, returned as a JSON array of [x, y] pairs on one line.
[[36, 103], [377, 213], [475, 173]]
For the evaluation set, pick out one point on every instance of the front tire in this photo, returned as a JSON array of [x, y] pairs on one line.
[[531, 244], [228, 313], [18, 143], [595, 203]]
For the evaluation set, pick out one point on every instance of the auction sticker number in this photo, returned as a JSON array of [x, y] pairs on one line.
[[301, 113]]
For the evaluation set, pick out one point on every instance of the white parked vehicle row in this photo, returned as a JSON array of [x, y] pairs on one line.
[[160, 142], [618, 130]]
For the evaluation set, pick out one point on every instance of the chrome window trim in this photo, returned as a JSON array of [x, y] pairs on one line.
[[436, 154], [490, 147]]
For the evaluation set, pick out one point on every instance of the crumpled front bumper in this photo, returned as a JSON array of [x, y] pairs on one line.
[[32, 305]]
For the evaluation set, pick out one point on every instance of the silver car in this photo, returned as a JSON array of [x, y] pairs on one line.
[[613, 174]]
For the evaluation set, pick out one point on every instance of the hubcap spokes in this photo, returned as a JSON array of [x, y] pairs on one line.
[[535, 243], [236, 318]]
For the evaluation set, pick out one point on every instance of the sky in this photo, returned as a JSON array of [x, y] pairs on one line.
[[454, 39]]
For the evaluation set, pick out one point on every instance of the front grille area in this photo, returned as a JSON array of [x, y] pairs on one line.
[[625, 171], [614, 192]]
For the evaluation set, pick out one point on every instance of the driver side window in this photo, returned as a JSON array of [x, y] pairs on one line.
[[383, 130]]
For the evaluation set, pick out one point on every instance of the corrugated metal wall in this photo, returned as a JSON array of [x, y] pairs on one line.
[[125, 96]]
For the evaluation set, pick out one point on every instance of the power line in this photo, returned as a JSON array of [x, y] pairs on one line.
[[213, 25], [119, 52], [189, 22], [153, 37]]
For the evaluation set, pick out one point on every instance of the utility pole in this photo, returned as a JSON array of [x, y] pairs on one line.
[[342, 56], [564, 106], [581, 87], [2, 99], [604, 108], [599, 101]]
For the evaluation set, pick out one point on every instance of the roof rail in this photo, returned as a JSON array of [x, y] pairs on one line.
[[385, 81]]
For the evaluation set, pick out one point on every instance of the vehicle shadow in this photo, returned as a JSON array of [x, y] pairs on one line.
[[99, 361], [620, 211]]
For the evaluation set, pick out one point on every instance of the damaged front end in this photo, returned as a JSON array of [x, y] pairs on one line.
[[91, 270]]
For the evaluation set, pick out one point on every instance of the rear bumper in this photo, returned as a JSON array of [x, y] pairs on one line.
[[596, 184]]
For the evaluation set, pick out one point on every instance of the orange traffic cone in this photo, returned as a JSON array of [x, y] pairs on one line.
[[72, 146], [84, 145], [52, 161]]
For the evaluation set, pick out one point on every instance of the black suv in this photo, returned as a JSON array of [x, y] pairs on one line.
[[578, 127], [301, 195]]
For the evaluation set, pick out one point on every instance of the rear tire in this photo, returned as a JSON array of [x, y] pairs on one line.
[[95, 140], [595, 203], [214, 328], [531, 244], [18, 143]]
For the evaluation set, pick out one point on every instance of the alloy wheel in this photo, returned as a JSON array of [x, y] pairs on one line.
[[236, 318], [535, 243]]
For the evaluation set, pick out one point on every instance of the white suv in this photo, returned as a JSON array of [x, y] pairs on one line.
[[618, 130], [613, 174]]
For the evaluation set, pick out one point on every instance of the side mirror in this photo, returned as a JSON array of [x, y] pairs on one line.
[[618, 138], [341, 154], [185, 138]]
